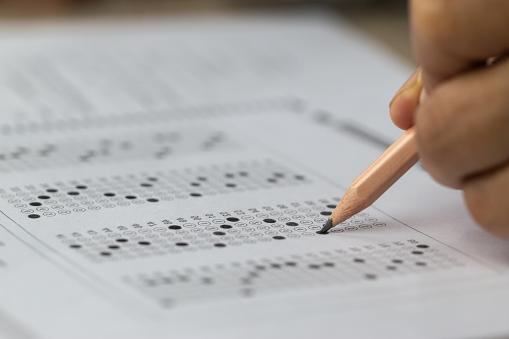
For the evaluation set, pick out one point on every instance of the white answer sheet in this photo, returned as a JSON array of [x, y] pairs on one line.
[[166, 179]]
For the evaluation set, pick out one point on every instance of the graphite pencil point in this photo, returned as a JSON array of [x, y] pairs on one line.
[[326, 227]]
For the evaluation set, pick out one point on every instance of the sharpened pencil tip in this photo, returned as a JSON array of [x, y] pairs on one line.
[[326, 227]]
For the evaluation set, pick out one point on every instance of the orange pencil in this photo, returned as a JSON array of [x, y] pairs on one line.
[[379, 176], [375, 180]]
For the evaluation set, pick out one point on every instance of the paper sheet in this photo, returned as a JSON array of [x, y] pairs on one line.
[[166, 179]]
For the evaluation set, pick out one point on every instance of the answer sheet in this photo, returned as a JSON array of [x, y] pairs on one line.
[[166, 179]]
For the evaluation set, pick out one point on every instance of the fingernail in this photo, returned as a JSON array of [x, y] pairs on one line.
[[410, 87], [423, 95]]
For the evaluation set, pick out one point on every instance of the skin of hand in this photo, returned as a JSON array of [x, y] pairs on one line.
[[462, 128]]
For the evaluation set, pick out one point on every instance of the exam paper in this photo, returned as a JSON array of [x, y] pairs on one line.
[[167, 179]]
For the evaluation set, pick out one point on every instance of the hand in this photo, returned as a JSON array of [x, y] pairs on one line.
[[462, 127]]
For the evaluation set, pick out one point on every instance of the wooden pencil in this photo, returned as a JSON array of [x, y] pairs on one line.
[[395, 161]]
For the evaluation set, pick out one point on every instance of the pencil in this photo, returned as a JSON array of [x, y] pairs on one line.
[[395, 161]]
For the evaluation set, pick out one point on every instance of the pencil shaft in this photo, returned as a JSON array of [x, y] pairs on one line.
[[378, 177]]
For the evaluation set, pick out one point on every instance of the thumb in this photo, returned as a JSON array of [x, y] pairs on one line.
[[405, 101]]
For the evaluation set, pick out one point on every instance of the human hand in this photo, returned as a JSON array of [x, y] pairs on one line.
[[462, 128]]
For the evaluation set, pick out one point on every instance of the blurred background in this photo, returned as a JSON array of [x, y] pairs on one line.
[[382, 20]]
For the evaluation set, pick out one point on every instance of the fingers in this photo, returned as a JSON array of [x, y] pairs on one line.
[[405, 101], [486, 199], [462, 128], [450, 36]]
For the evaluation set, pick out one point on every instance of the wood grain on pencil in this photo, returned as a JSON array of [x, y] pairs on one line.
[[375, 180]]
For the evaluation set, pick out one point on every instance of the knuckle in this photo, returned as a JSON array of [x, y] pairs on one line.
[[483, 212]]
